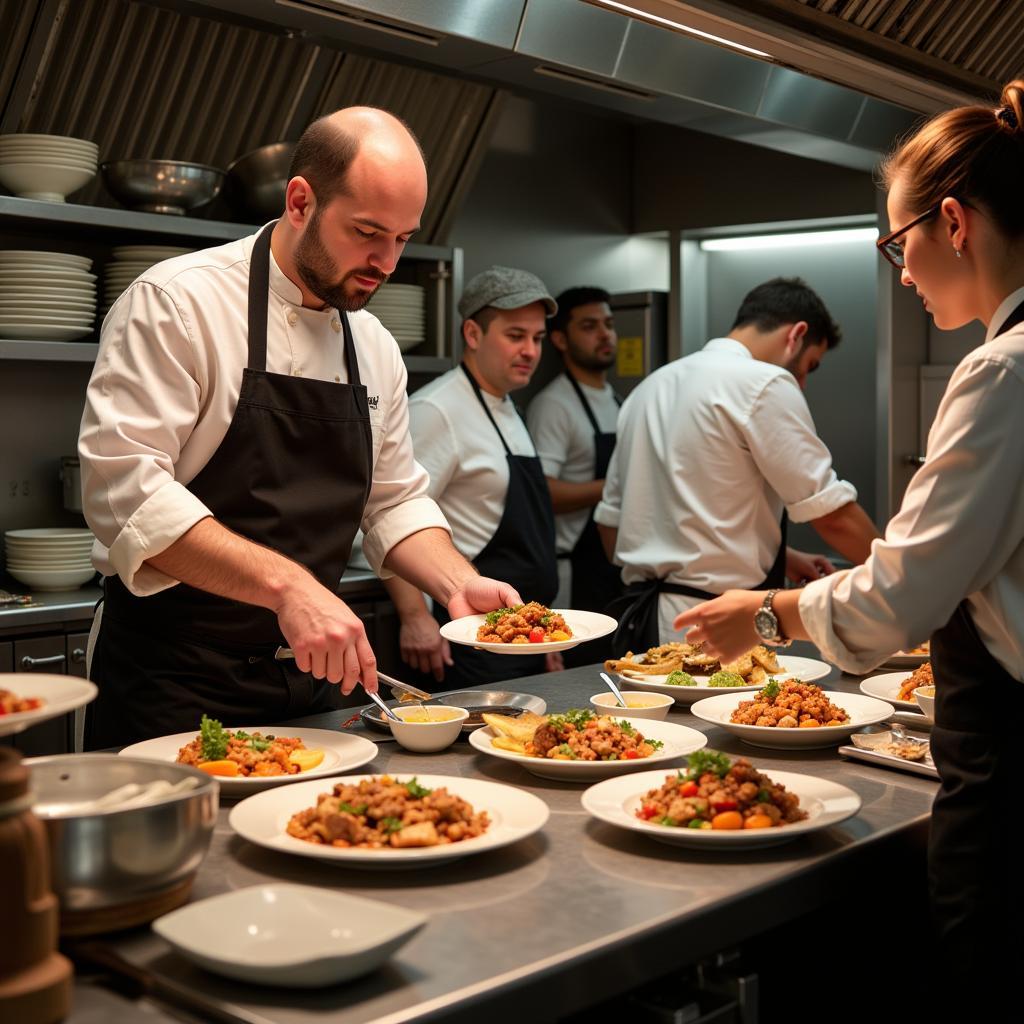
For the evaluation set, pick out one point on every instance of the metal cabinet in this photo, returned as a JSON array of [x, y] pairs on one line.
[[7, 657], [46, 654]]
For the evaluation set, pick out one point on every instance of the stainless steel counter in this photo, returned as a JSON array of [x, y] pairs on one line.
[[576, 914]]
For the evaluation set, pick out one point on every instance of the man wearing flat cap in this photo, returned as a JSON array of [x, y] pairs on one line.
[[484, 471]]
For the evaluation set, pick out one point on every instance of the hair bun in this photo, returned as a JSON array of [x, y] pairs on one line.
[[1011, 113]]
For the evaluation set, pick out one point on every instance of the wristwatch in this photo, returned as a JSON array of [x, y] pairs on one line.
[[766, 623]]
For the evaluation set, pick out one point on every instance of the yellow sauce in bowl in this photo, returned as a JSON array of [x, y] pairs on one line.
[[420, 716]]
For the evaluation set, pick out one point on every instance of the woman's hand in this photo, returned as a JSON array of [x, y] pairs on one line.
[[725, 625]]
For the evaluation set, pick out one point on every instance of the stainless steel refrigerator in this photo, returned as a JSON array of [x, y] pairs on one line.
[[641, 321]]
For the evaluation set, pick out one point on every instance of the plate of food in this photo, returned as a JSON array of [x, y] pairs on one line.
[[476, 702], [528, 629], [245, 760], [684, 671], [384, 821], [720, 802], [580, 744], [28, 698], [898, 687], [909, 659], [791, 714]]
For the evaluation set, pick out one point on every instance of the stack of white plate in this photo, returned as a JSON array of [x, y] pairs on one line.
[[401, 308], [46, 167], [46, 295], [50, 559], [129, 262]]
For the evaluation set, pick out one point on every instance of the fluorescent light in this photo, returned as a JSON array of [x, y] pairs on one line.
[[679, 27], [790, 240]]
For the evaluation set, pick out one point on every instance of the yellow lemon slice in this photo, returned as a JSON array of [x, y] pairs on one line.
[[306, 759]]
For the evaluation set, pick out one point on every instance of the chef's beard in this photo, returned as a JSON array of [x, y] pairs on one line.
[[317, 270], [588, 361]]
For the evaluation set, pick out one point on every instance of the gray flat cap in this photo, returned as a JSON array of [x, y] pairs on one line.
[[504, 288]]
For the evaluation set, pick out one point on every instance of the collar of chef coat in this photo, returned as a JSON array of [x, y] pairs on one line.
[[1005, 308], [737, 348], [280, 284]]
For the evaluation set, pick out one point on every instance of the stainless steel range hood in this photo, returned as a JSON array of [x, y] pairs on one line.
[[581, 52]]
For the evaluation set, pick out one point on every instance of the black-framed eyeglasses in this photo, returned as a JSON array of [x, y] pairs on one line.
[[892, 249]]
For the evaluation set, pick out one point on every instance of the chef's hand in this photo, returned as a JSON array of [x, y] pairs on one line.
[[802, 567], [482, 594], [422, 645], [725, 625], [328, 639], [553, 662]]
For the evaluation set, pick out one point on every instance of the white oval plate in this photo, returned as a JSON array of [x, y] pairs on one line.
[[679, 741], [584, 625], [827, 803], [514, 813], [44, 332], [61, 693], [44, 256], [886, 687], [903, 660], [862, 711], [342, 753], [807, 669]]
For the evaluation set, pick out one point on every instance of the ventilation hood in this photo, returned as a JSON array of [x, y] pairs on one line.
[[586, 53]]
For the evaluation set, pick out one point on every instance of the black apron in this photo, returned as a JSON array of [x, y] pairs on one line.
[[293, 473], [975, 836], [596, 582], [637, 609], [521, 553]]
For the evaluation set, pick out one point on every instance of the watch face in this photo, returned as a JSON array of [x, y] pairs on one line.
[[766, 624]]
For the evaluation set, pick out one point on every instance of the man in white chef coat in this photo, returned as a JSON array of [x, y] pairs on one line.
[[715, 452], [245, 416], [484, 471], [572, 421]]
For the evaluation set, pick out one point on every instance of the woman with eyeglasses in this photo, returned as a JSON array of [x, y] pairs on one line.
[[951, 564]]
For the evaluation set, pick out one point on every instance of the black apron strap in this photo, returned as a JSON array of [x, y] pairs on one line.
[[486, 409], [259, 290]]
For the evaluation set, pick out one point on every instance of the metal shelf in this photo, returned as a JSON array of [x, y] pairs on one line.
[[76, 219], [49, 351]]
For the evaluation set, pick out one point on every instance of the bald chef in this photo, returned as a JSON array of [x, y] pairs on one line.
[[244, 417]]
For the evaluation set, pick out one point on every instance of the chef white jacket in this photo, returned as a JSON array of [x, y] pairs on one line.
[[710, 450], [165, 387], [565, 442], [458, 446], [959, 532]]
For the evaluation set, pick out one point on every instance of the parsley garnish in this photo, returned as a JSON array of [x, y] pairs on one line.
[[703, 761], [665, 820], [764, 797], [771, 690], [576, 717], [391, 825], [492, 617], [567, 750], [626, 727], [348, 808], [214, 739], [416, 790], [654, 744]]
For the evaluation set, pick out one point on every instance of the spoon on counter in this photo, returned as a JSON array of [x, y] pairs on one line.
[[611, 686]]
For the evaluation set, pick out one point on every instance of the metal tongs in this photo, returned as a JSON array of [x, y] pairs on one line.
[[403, 691]]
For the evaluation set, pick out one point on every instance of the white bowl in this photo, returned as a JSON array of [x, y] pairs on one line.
[[48, 534], [657, 704], [47, 182], [926, 701], [427, 737], [292, 935], [47, 158], [46, 579], [37, 137]]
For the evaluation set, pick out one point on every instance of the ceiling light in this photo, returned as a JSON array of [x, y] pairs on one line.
[[678, 27], [790, 240]]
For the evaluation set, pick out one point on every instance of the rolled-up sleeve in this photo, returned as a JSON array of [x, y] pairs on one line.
[[960, 524], [141, 405], [399, 503], [781, 438]]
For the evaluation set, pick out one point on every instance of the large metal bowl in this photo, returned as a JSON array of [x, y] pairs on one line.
[[161, 186], [120, 866], [257, 180]]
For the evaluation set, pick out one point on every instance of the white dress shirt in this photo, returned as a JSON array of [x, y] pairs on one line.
[[457, 445], [959, 532], [164, 390], [565, 442], [710, 450]]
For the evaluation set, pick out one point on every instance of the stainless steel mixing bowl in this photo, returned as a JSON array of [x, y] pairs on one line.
[[256, 181], [161, 186], [112, 858]]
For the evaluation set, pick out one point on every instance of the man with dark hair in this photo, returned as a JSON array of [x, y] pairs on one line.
[[484, 472], [245, 417], [714, 452], [572, 421]]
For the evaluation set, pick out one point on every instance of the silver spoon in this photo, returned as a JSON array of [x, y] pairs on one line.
[[387, 711], [611, 686]]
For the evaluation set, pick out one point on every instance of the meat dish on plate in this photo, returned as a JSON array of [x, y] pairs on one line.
[[12, 704], [531, 623], [575, 735], [790, 704], [681, 661], [237, 753]]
